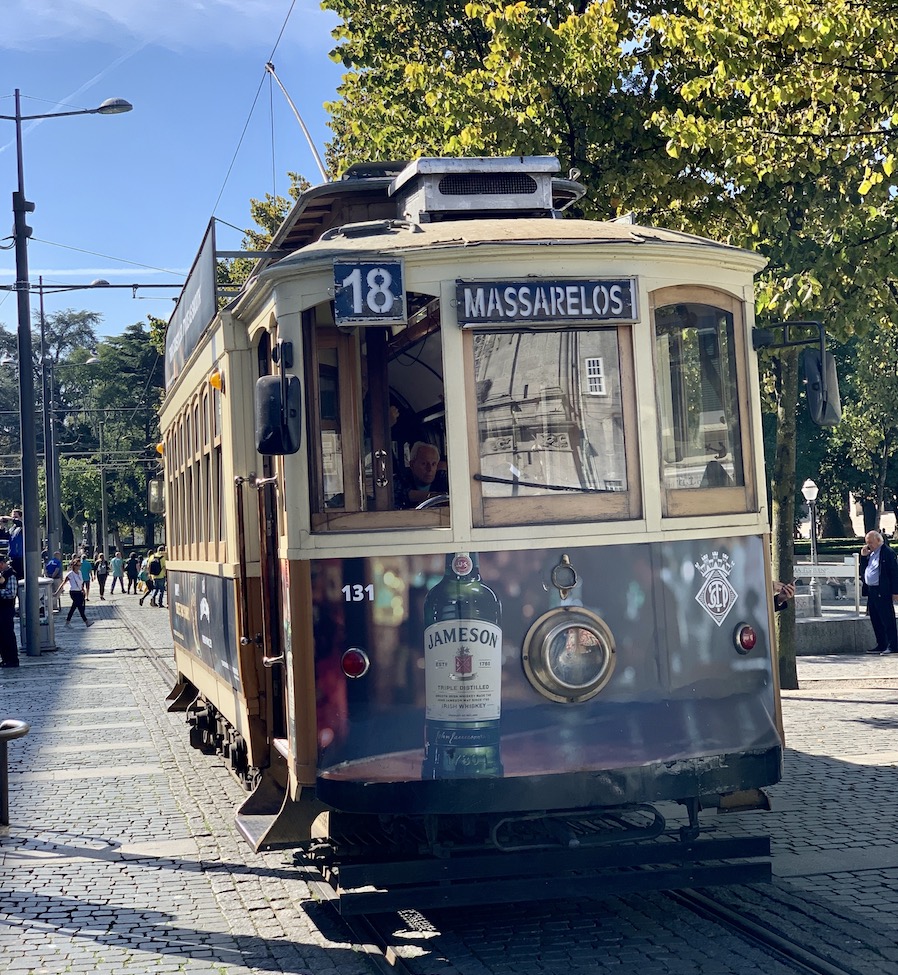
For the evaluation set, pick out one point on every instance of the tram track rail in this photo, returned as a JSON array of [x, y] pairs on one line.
[[363, 929], [784, 949], [369, 936]]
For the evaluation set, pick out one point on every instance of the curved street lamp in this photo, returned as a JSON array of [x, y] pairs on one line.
[[21, 232]]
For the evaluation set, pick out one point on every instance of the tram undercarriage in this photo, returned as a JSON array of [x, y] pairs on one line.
[[375, 864]]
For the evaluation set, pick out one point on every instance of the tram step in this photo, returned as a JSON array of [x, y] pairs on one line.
[[270, 819]]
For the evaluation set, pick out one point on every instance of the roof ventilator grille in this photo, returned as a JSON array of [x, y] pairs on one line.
[[495, 184]]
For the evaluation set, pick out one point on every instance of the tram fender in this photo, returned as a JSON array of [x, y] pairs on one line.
[[271, 819]]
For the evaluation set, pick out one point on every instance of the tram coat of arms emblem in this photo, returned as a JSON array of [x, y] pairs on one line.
[[716, 596]]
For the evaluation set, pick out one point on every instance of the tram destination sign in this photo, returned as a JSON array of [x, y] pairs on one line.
[[541, 301]]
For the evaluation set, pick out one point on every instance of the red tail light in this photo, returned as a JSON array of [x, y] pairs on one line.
[[355, 662], [745, 638]]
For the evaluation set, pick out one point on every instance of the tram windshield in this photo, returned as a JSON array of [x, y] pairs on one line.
[[380, 453], [555, 425], [701, 443], [549, 412]]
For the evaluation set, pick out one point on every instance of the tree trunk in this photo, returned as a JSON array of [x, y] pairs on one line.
[[783, 511], [881, 485], [871, 515]]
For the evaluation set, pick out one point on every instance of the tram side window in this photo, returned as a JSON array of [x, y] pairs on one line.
[[378, 393], [553, 420], [697, 383]]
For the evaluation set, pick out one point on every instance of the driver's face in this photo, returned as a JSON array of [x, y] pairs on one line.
[[424, 466]]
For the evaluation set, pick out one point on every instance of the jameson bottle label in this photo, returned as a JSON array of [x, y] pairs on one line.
[[463, 674], [463, 663]]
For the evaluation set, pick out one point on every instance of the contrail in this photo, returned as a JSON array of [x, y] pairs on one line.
[[85, 87]]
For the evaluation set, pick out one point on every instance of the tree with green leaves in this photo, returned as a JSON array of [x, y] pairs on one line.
[[769, 127]]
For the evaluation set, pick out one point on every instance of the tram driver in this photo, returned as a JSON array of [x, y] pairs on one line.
[[424, 478]]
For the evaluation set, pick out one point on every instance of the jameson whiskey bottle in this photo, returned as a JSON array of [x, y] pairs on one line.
[[462, 674]]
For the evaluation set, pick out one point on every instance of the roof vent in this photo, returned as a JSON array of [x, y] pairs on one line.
[[429, 190]]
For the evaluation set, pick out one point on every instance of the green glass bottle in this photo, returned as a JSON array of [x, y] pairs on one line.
[[462, 674]]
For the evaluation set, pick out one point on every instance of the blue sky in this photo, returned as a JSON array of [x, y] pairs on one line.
[[128, 197]]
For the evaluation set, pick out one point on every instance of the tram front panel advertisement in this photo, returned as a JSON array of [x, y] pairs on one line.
[[523, 663]]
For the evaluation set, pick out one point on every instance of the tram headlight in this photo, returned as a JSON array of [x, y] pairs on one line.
[[355, 662], [745, 638], [568, 654]]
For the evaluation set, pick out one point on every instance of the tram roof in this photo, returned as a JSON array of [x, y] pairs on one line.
[[507, 232]]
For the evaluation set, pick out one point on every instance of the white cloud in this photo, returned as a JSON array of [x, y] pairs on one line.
[[177, 24]]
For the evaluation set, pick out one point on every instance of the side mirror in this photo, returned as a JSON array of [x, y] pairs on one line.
[[822, 379], [156, 496], [278, 414]]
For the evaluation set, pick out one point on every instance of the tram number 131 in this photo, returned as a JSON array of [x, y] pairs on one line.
[[358, 594], [369, 292]]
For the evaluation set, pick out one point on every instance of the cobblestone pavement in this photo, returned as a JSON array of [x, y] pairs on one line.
[[122, 855]]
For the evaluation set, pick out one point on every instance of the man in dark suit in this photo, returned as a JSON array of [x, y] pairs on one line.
[[879, 569]]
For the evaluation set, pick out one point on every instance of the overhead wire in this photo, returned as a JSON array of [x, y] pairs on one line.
[[251, 111]]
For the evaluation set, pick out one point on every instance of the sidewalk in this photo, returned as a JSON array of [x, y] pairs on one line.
[[122, 854]]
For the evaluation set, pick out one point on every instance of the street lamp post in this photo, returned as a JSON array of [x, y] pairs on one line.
[[30, 505], [103, 508], [810, 491]]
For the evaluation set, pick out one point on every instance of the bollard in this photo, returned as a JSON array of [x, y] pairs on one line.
[[9, 728]]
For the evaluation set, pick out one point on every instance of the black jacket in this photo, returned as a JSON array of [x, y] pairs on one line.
[[888, 570]]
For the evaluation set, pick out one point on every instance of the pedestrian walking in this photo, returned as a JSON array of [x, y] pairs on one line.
[[159, 580], [53, 570], [117, 566], [87, 573], [101, 571], [132, 569], [144, 576], [9, 589], [74, 579], [154, 566], [16, 543]]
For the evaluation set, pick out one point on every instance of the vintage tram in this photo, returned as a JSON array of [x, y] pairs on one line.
[[468, 539]]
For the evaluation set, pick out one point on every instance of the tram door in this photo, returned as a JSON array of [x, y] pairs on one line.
[[272, 630]]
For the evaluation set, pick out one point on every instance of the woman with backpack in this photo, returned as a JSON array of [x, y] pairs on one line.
[[154, 567]]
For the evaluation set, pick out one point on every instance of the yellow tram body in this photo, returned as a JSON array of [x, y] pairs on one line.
[[592, 387]]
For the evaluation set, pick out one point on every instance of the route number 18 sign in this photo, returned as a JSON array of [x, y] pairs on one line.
[[369, 293]]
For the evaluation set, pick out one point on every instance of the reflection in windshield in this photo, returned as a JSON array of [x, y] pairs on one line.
[[549, 412]]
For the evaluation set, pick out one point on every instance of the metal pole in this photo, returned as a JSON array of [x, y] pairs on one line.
[[814, 588], [102, 492], [270, 69], [30, 502], [54, 465], [49, 471]]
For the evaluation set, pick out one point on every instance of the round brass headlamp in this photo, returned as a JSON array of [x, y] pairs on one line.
[[569, 654]]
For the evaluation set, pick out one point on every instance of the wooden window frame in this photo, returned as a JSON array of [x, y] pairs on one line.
[[558, 507], [741, 498], [320, 337]]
